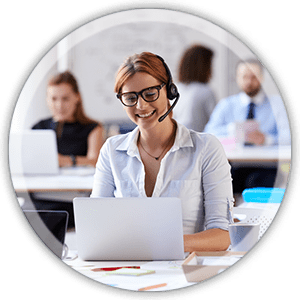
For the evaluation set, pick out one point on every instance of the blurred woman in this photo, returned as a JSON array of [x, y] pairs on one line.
[[79, 138], [194, 74]]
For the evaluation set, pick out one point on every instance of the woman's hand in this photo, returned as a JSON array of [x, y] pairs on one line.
[[255, 137], [64, 161]]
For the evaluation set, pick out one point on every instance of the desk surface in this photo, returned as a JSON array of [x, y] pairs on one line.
[[172, 275], [258, 153], [169, 272], [82, 180]]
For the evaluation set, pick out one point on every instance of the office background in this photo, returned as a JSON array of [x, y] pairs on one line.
[[266, 34], [94, 52]]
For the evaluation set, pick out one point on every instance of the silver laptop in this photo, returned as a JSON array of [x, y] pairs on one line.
[[129, 228], [33, 152]]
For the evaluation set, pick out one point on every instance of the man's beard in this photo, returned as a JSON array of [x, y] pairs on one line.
[[252, 93]]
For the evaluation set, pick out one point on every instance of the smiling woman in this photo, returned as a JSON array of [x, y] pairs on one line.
[[162, 158]]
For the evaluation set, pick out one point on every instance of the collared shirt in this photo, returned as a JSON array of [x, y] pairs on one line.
[[195, 170], [257, 100], [235, 109]]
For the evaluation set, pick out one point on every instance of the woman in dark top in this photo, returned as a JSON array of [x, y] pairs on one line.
[[79, 138]]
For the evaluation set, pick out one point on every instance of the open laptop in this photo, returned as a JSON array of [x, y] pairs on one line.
[[51, 227], [129, 228], [33, 152]]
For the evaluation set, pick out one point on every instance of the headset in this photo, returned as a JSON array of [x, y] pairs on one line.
[[172, 91]]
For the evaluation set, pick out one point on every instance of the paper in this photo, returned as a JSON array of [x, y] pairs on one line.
[[242, 129], [162, 265], [218, 261], [130, 272]]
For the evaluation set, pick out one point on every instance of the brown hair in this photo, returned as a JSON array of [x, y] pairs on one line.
[[146, 62], [68, 78], [195, 65]]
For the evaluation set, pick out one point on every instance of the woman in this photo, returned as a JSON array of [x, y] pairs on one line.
[[165, 159], [79, 138], [194, 74]]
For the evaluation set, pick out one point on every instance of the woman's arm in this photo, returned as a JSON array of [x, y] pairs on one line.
[[217, 192], [95, 142], [209, 240]]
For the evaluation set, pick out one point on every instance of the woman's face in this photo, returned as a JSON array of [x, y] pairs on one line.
[[62, 102], [145, 114]]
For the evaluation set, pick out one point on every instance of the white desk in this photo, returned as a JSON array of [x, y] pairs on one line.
[[82, 181], [169, 272], [52, 183], [77, 179], [258, 155], [172, 275]]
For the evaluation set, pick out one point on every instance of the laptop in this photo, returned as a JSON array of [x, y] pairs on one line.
[[51, 227], [33, 152], [129, 228]]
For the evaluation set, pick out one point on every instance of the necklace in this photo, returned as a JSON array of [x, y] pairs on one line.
[[155, 157]]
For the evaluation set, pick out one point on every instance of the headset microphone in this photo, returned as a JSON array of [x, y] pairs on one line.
[[172, 92], [169, 110]]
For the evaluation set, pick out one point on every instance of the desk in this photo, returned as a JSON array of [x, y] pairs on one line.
[[258, 155], [78, 179], [52, 183], [174, 278], [83, 181], [169, 272]]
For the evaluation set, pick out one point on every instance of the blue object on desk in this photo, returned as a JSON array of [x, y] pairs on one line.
[[263, 195]]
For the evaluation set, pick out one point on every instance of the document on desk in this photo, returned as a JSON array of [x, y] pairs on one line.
[[162, 265], [130, 272], [218, 261]]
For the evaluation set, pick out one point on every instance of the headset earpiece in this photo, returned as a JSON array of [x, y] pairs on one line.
[[172, 91]]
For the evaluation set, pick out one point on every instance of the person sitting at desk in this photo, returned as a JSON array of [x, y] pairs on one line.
[[79, 138], [162, 158], [250, 104]]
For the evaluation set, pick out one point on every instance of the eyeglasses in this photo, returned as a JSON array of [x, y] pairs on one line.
[[149, 94]]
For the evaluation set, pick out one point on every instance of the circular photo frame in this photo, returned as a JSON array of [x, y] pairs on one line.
[[92, 48]]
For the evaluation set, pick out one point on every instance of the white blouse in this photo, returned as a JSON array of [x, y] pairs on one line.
[[195, 170]]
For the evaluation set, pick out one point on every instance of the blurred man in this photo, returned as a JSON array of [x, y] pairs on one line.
[[237, 108], [250, 104]]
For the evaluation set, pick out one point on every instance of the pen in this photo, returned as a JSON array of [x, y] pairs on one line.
[[114, 268], [151, 287]]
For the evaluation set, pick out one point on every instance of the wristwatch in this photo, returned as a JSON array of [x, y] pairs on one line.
[[73, 158]]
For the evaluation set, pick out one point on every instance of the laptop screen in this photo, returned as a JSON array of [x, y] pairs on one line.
[[50, 226]]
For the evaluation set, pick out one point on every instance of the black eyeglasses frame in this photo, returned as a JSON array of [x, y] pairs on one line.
[[140, 93]]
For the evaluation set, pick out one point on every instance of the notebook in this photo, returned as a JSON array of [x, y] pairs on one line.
[[51, 227], [129, 228], [33, 152]]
